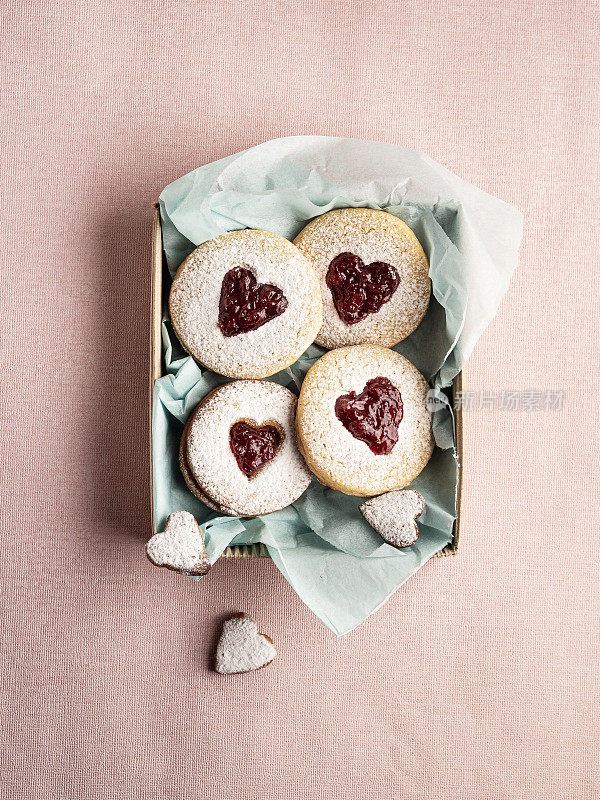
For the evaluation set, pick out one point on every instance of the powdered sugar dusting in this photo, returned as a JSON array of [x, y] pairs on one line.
[[189, 478], [373, 236], [181, 546], [393, 515], [339, 459], [213, 465], [196, 291], [241, 647]]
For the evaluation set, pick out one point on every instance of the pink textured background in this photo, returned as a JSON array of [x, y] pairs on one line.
[[479, 679]]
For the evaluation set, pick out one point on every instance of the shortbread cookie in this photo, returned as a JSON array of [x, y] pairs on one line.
[[362, 421], [189, 478], [239, 454], [241, 647], [180, 547], [246, 304], [393, 516], [373, 273]]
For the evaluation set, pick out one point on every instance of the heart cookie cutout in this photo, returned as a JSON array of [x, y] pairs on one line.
[[253, 445], [373, 415], [393, 516], [180, 547], [241, 647], [245, 304], [359, 289]]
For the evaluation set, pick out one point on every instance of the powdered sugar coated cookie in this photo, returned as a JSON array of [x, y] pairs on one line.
[[393, 516], [189, 478], [241, 647], [246, 304], [180, 547], [373, 273], [362, 421], [239, 449]]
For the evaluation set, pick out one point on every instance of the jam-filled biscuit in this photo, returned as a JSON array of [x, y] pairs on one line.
[[363, 425], [373, 273], [246, 304], [239, 453]]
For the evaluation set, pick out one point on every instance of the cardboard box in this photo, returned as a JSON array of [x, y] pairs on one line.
[[159, 282]]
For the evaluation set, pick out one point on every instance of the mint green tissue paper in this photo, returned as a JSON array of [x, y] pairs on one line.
[[333, 559]]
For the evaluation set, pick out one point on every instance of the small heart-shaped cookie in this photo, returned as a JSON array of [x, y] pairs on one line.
[[241, 647], [180, 547], [393, 516]]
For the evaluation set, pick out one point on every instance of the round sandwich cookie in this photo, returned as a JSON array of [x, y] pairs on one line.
[[246, 304], [362, 421], [238, 452], [373, 273]]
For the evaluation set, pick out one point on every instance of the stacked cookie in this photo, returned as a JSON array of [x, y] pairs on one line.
[[238, 452], [247, 304]]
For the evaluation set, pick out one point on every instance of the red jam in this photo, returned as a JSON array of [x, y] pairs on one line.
[[253, 447], [245, 304], [373, 415], [360, 289]]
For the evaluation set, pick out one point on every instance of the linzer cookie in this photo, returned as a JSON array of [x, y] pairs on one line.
[[238, 452], [363, 425], [373, 273], [246, 304], [393, 516]]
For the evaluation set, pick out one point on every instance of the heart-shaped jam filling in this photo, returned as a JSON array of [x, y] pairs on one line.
[[360, 289], [245, 304], [373, 415], [253, 446]]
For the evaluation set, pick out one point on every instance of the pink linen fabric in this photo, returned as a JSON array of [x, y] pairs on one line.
[[479, 678]]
